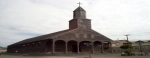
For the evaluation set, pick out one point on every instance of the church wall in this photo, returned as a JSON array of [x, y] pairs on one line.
[[10, 49], [79, 14], [73, 24], [38, 46], [27, 47], [84, 23]]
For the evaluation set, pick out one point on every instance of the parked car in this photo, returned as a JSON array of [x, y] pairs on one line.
[[123, 54]]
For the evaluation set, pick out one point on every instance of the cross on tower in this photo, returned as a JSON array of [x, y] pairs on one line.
[[79, 3]]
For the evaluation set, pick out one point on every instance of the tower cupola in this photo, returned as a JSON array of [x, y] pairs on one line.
[[79, 13]]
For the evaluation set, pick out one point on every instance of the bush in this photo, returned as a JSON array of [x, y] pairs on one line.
[[128, 51], [125, 46]]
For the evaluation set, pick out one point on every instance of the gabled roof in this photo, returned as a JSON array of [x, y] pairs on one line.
[[71, 35], [68, 35]]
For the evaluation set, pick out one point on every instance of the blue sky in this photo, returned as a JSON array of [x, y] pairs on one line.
[[22, 19]]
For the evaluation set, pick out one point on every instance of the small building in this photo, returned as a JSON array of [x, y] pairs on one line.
[[2, 49], [141, 45], [118, 43]]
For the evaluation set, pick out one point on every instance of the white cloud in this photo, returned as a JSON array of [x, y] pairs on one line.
[[21, 19]]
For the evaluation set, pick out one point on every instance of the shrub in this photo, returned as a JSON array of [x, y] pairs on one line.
[[125, 46], [128, 51]]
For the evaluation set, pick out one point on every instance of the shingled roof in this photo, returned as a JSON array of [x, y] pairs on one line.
[[69, 35], [79, 9], [43, 37]]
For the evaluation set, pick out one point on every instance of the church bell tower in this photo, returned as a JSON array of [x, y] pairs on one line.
[[79, 19]]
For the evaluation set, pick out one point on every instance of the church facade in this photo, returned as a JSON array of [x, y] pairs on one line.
[[79, 38]]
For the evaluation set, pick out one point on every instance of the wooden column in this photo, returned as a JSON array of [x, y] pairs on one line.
[[110, 47], [66, 47], [78, 47], [102, 47], [92, 47], [53, 47]]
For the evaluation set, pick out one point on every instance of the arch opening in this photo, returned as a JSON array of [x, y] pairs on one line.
[[97, 46], [84, 46], [60, 46], [48, 45], [72, 46], [107, 46]]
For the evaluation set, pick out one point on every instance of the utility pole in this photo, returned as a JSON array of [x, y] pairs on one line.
[[140, 45], [127, 38]]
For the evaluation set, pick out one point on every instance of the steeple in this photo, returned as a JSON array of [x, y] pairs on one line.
[[79, 19], [79, 13]]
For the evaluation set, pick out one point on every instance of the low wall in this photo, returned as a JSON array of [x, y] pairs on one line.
[[3, 50], [119, 50]]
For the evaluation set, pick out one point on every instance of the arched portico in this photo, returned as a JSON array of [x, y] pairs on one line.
[[98, 46], [72, 46], [59, 46], [107, 46], [84, 46], [49, 46]]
